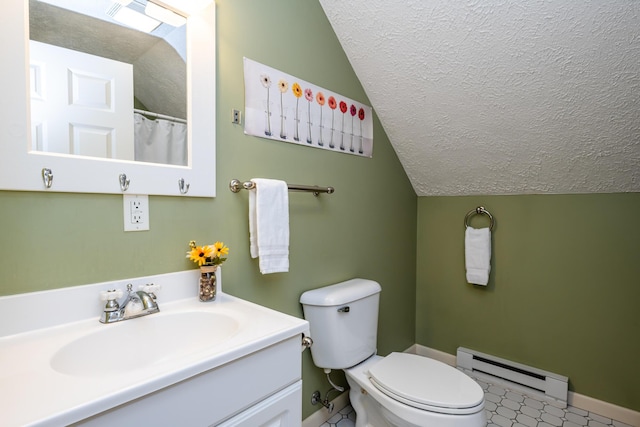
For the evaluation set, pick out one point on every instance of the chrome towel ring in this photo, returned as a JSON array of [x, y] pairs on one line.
[[480, 210]]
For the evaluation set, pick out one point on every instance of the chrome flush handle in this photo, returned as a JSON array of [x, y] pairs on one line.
[[307, 342]]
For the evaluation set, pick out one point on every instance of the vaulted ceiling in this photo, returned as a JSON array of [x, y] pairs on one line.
[[499, 96]]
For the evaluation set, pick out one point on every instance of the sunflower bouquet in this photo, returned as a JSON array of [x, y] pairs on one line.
[[208, 258], [208, 254]]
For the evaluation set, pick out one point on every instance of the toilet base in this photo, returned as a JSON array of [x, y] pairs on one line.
[[375, 409]]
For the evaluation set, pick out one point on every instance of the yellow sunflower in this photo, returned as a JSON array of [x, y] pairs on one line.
[[200, 254], [219, 249]]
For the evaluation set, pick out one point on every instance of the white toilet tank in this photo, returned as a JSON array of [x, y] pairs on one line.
[[343, 322]]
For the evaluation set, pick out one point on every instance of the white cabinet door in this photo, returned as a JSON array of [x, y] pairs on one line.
[[283, 409], [81, 104], [270, 377]]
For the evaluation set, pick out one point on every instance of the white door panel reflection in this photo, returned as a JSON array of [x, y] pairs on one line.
[[81, 104]]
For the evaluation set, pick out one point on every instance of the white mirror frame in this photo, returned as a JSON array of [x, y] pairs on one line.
[[21, 169]]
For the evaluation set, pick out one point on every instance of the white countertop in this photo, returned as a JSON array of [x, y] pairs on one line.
[[33, 393]]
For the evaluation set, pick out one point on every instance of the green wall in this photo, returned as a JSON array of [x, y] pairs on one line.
[[366, 229], [563, 292]]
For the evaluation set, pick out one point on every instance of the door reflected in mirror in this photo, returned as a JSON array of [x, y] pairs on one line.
[[102, 89]]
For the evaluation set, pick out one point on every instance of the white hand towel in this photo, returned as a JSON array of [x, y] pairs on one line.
[[477, 254], [269, 225]]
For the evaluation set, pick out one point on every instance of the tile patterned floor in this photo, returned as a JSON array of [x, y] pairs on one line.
[[346, 417], [507, 407]]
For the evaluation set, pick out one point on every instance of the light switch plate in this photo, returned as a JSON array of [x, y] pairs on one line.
[[136, 212]]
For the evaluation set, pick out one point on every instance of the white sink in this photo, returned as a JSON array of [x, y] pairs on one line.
[[75, 367], [129, 345]]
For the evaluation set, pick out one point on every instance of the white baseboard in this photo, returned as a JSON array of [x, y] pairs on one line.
[[606, 409], [586, 403], [449, 359], [322, 415]]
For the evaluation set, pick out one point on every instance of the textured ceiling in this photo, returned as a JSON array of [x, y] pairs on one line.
[[502, 97]]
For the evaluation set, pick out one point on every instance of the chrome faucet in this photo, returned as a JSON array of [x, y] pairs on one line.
[[136, 304]]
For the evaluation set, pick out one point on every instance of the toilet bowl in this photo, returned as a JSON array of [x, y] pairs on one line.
[[401, 389], [407, 390]]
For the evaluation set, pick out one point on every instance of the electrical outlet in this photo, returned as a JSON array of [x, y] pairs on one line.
[[236, 117], [136, 212], [137, 215]]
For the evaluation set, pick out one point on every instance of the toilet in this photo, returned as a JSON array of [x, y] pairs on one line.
[[400, 389]]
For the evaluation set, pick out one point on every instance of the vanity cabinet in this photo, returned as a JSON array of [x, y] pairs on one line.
[[263, 388], [228, 362], [280, 410]]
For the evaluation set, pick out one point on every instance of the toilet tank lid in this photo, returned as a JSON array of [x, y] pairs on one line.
[[340, 293]]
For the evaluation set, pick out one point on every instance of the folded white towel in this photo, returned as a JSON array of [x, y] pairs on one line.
[[477, 254], [269, 225]]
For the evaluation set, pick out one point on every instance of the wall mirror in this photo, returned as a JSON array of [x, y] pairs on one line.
[[44, 150]]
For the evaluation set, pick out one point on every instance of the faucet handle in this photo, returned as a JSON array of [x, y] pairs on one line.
[[110, 295], [150, 288]]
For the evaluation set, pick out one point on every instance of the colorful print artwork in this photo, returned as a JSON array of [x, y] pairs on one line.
[[299, 112]]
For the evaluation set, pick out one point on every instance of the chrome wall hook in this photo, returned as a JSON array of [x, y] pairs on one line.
[[124, 182], [47, 177], [184, 189]]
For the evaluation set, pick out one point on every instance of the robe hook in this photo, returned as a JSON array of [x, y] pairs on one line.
[[184, 189], [124, 182]]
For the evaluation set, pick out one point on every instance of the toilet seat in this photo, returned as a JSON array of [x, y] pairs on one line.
[[426, 384]]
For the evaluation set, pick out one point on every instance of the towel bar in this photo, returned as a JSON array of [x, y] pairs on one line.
[[480, 210], [235, 186]]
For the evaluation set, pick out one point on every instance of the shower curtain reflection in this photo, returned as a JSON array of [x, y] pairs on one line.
[[160, 141]]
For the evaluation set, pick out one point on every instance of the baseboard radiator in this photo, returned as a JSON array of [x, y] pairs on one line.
[[554, 386]]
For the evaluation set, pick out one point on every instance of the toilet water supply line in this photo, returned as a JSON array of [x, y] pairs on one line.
[[337, 387], [325, 402]]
